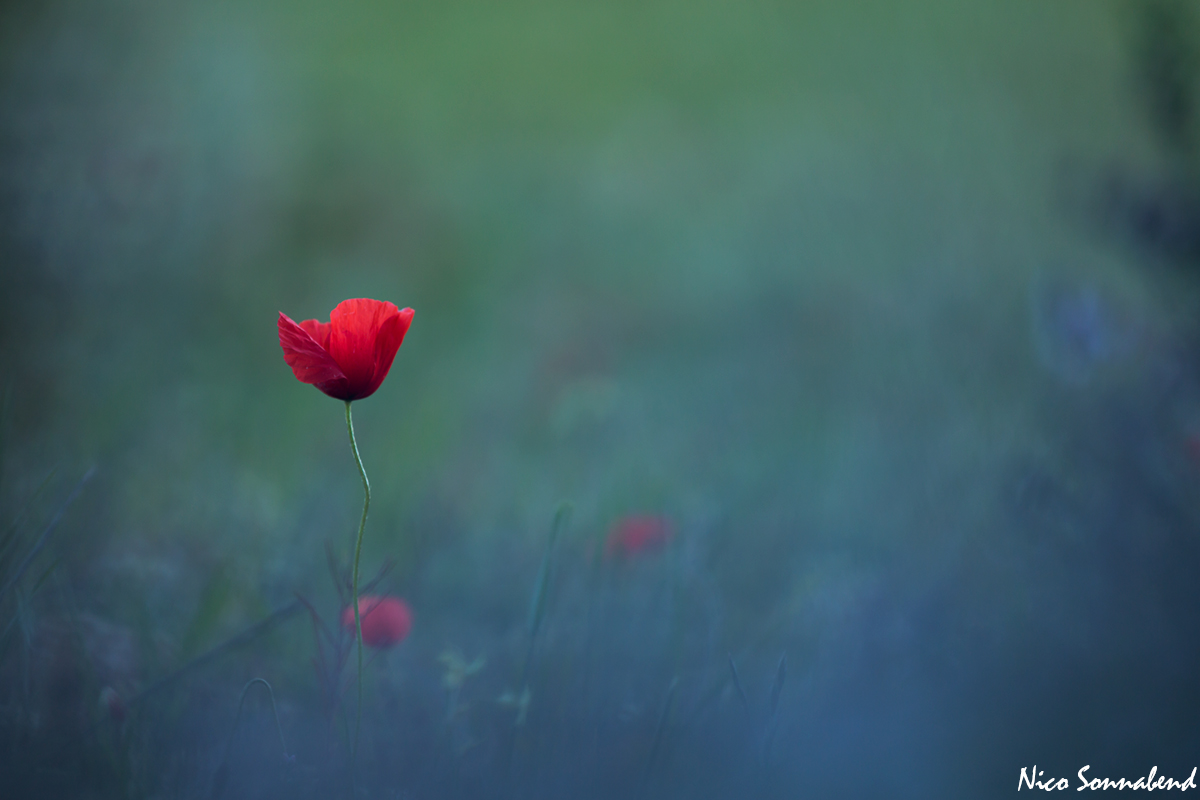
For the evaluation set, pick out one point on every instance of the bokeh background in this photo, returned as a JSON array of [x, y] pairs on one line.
[[887, 314]]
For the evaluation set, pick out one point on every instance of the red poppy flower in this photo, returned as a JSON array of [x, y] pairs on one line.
[[637, 534], [349, 356], [385, 620]]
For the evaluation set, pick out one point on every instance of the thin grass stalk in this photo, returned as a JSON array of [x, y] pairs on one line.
[[737, 682], [221, 779], [41, 541], [537, 606], [772, 723], [362, 523], [9, 537], [656, 746]]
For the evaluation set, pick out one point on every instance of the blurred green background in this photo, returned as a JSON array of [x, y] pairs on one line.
[[826, 284]]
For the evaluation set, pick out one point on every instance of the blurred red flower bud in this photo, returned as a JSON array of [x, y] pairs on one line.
[[112, 703], [349, 356], [636, 535], [385, 620], [1193, 447]]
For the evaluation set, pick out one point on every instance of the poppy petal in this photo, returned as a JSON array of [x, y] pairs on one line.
[[310, 362], [387, 342], [355, 325], [319, 331]]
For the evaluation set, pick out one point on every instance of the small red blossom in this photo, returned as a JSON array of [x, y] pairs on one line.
[[386, 621], [637, 535], [349, 356], [1193, 447], [112, 703]]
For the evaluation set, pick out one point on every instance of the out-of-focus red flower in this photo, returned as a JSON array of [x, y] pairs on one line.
[[1193, 447], [636, 535], [349, 356], [112, 703], [385, 620]]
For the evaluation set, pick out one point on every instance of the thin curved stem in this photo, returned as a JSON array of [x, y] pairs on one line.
[[354, 577], [221, 779], [274, 712]]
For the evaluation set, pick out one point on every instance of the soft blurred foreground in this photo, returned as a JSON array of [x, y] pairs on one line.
[[803, 399]]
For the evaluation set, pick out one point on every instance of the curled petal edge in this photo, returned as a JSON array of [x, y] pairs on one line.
[[310, 362]]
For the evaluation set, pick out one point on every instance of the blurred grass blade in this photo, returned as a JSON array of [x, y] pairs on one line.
[[5, 410], [537, 607], [737, 682], [41, 542], [45, 574], [319, 626], [777, 686], [9, 537], [668, 704], [215, 597], [11, 622], [221, 778], [232, 643], [776, 690]]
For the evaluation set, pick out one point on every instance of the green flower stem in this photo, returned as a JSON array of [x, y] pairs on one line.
[[354, 579]]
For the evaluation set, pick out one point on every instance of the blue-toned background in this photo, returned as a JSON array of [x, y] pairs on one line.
[[890, 313]]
